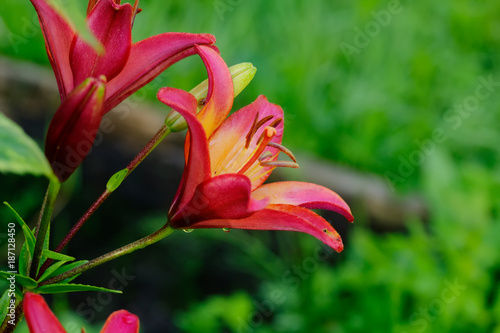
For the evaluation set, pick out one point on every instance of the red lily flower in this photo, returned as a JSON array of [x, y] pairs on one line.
[[126, 66], [67, 146], [41, 319], [222, 182]]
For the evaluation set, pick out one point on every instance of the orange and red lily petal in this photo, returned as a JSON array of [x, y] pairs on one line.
[[223, 197], [305, 195], [220, 90], [197, 169], [121, 321], [111, 24], [39, 317], [282, 217], [148, 58], [58, 35], [74, 126], [237, 144]]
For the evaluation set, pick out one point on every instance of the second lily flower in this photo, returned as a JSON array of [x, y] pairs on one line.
[[228, 160]]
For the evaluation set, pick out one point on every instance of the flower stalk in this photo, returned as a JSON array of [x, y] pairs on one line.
[[44, 224], [129, 248], [112, 185]]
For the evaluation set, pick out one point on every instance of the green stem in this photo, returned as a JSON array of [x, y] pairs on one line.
[[44, 224], [129, 248], [8, 327], [162, 133]]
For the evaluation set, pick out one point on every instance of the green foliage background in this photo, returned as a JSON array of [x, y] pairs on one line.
[[371, 110]]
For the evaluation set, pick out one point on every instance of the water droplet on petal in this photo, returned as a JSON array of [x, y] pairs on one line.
[[187, 231], [226, 229]]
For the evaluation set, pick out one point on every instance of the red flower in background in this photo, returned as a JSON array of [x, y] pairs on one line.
[[227, 161], [41, 319], [124, 67]]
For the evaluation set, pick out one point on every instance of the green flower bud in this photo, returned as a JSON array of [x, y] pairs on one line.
[[241, 74]]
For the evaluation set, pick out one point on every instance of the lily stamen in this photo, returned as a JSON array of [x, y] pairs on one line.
[[283, 149], [276, 122], [255, 127], [266, 155], [263, 121], [251, 131], [282, 164], [265, 138]]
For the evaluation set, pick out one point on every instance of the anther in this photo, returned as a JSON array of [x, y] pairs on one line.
[[252, 131], [265, 155], [276, 122], [280, 164], [283, 149]]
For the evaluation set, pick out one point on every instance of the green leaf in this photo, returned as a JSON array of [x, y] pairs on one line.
[[66, 268], [56, 255], [24, 259], [19, 154], [4, 303], [28, 234], [45, 247], [50, 270], [71, 287], [22, 280], [116, 180]]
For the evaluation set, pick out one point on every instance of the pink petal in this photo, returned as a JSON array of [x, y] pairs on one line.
[[282, 217], [147, 59], [220, 90], [303, 194], [39, 317], [198, 165], [112, 26], [228, 141], [74, 126], [222, 197], [121, 321], [58, 34]]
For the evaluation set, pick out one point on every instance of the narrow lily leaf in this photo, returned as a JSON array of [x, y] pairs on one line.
[[28, 235], [19, 154], [71, 13], [56, 256], [50, 270], [24, 259], [66, 268], [45, 248], [4, 303], [71, 287], [116, 180], [22, 280]]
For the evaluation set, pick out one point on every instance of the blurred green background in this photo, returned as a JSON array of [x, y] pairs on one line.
[[406, 90]]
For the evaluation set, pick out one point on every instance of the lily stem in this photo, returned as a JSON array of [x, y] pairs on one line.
[[129, 248], [44, 224], [7, 325], [162, 133]]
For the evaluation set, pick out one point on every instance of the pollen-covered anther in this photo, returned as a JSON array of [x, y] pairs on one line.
[[276, 122], [265, 155], [251, 132], [264, 139], [280, 164], [255, 126], [283, 149]]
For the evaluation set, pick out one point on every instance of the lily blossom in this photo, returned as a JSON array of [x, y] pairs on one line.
[[125, 66], [41, 319], [227, 164]]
